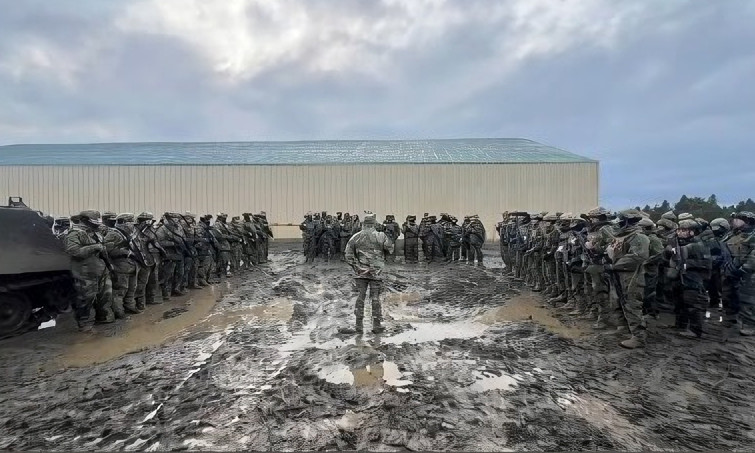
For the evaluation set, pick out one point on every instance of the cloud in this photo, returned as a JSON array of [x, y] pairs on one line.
[[666, 107]]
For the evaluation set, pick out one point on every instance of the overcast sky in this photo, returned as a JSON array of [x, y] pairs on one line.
[[662, 92]]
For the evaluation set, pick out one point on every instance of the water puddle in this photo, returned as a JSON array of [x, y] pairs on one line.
[[528, 308], [487, 381], [141, 331], [278, 309], [373, 375], [428, 332]]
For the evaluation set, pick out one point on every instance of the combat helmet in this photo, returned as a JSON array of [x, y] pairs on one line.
[[124, 217], [90, 217], [685, 216], [669, 215], [744, 215], [688, 224], [720, 225], [146, 215], [551, 217], [598, 211], [646, 223]]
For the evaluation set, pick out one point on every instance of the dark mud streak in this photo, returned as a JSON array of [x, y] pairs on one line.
[[254, 384]]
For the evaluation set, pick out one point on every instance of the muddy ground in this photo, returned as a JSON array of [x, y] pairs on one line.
[[470, 361]]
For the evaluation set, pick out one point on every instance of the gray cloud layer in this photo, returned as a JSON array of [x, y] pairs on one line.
[[660, 92]]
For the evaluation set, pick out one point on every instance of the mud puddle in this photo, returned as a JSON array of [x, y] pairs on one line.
[[145, 330], [528, 307], [373, 375]]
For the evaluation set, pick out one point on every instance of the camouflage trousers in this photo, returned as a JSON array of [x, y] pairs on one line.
[[599, 300], [93, 292], [190, 272], [375, 287], [146, 286], [236, 253], [475, 252], [411, 250], [204, 267], [224, 258], [172, 272], [694, 302], [634, 294], [123, 295], [739, 300]]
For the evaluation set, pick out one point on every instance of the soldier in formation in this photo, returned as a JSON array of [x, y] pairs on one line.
[[122, 262], [620, 270]]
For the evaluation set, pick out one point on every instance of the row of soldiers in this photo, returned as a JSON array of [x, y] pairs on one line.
[[326, 236], [123, 262], [622, 269]]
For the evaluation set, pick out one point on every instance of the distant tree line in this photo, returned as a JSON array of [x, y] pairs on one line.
[[708, 209]]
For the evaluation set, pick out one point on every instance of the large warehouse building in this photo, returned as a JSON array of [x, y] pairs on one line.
[[287, 179]]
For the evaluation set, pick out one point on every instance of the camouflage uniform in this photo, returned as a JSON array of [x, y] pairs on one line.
[[170, 236], [600, 235], [720, 254], [148, 277], [251, 254], [454, 238], [117, 241], [365, 254], [411, 240], [689, 266], [308, 231], [474, 235], [221, 233], [651, 266], [205, 244], [628, 252], [236, 238], [90, 273], [739, 282], [392, 230]]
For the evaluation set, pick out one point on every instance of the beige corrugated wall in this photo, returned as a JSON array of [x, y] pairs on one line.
[[287, 192]]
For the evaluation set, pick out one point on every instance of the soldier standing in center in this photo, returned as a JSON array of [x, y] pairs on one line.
[[411, 239], [365, 254]]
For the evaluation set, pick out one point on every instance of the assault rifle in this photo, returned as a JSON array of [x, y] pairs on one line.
[[108, 264]]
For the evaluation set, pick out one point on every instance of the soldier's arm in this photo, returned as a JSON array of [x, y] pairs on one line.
[[79, 251], [639, 252], [112, 243], [350, 252], [748, 262]]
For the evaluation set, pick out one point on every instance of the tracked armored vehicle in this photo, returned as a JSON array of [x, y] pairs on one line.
[[35, 271]]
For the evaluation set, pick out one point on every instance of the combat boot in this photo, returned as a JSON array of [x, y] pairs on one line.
[[746, 331], [560, 297], [633, 342], [687, 333], [376, 327], [600, 323], [579, 307]]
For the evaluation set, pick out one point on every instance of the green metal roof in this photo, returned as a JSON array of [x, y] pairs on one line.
[[326, 152]]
